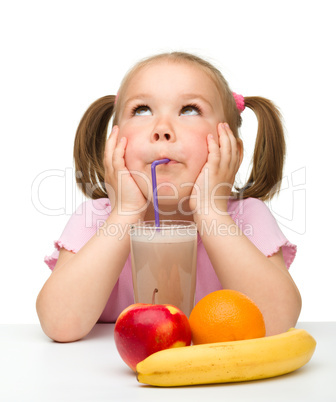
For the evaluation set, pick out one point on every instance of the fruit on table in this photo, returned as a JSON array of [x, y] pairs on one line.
[[142, 329], [233, 361], [225, 315]]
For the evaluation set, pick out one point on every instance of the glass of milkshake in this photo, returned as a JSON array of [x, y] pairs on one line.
[[164, 258]]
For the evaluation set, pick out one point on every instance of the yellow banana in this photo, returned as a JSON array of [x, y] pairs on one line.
[[220, 362]]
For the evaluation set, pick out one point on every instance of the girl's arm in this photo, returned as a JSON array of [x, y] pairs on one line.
[[238, 263], [74, 296]]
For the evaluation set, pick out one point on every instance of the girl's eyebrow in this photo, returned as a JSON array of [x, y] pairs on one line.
[[197, 97], [185, 97], [137, 97]]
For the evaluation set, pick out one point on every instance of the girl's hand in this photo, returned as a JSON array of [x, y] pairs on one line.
[[214, 184], [125, 196]]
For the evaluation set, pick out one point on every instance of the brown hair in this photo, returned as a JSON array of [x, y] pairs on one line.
[[269, 152], [90, 145]]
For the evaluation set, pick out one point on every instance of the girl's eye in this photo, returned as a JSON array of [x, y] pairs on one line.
[[142, 110], [190, 110]]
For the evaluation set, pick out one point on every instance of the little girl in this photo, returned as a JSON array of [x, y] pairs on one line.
[[176, 106]]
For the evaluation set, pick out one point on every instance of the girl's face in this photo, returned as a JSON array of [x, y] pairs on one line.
[[168, 110]]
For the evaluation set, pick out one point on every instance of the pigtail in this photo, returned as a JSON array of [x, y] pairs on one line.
[[269, 152], [90, 145]]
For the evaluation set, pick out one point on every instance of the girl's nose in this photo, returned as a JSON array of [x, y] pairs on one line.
[[163, 131], [160, 136]]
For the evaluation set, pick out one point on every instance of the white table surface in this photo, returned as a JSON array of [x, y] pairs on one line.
[[34, 368]]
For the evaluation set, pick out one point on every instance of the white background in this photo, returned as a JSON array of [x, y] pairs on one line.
[[58, 57]]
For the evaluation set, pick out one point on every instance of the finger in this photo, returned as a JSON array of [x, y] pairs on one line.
[[118, 161], [224, 144], [110, 147], [214, 155], [235, 158], [234, 146]]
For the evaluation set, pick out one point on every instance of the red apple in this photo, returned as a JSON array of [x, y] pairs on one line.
[[142, 329]]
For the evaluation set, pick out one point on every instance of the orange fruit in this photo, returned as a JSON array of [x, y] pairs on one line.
[[226, 315]]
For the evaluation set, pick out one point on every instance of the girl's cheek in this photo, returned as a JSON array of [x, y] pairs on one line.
[[135, 154], [130, 155], [201, 150]]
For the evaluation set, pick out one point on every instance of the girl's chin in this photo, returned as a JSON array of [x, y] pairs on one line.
[[170, 194], [173, 204]]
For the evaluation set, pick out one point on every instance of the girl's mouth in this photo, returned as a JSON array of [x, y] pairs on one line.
[[171, 162]]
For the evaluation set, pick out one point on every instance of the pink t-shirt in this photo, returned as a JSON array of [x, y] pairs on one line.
[[251, 215]]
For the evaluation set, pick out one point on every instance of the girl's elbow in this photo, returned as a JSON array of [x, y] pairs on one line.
[[60, 332], [294, 307], [285, 317], [58, 328]]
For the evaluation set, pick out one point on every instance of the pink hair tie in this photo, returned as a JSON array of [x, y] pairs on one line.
[[239, 101], [116, 98]]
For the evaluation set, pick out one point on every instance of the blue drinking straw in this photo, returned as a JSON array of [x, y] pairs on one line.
[[155, 200]]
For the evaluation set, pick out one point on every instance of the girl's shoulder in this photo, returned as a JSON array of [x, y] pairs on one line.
[[81, 226], [90, 212], [257, 222], [247, 208], [97, 205]]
